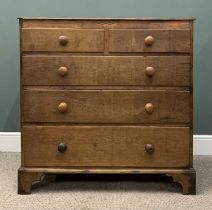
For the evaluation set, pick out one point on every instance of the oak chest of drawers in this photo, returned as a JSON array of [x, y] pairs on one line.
[[106, 96]]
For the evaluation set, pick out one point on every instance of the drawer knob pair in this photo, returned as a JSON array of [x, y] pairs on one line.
[[149, 148], [62, 71], [150, 71], [149, 107], [63, 40], [149, 41], [62, 107], [62, 147]]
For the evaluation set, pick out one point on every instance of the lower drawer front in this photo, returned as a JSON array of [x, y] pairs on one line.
[[106, 106], [94, 146]]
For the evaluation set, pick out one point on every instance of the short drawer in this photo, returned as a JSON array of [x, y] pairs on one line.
[[63, 40], [142, 40], [133, 146], [106, 106], [106, 70]]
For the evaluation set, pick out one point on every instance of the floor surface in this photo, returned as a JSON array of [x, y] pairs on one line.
[[100, 195]]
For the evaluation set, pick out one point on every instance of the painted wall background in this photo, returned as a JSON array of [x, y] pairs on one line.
[[9, 44]]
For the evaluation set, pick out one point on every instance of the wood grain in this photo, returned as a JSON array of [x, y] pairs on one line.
[[106, 146], [80, 40], [106, 70], [106, 106], [107, 23], [107, 170], [129, 40]]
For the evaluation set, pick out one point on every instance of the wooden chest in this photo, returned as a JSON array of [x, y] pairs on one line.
[[106, 96]]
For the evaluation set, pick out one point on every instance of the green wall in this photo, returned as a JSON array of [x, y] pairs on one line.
[[9, 46]]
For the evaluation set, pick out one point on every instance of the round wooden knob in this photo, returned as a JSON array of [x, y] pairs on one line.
[[149, 148], [149, 40], [149, 107], [63, 107], [63, 40], [149, 71], [62, 147], [62, 71]]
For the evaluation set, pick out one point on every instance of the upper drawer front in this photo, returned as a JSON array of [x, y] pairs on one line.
[[106, 146], [140, 40], [106, 70], [63, 40], [108, 106]]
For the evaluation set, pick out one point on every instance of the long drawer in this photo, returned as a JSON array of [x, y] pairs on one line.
[[106, 70], [63, 40], [132, 146], [106, 106]]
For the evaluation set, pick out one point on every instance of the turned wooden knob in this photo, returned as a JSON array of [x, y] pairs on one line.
[[149, 107], [149, 40], [63, 40], [63, 107], [149, 148], [62, 147], [62, 71], [149, 71]]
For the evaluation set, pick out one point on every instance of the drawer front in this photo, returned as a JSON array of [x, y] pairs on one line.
[[133, 146], [106, 106], [65, 40], [140, 40], [106, 70]]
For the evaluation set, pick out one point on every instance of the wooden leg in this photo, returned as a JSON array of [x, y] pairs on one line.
[[26, 180], [187, 181]]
